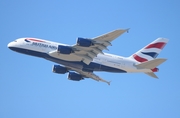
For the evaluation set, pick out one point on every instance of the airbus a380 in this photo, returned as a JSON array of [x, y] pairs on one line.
[[83, 58]]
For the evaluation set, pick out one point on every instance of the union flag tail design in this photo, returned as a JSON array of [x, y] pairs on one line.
[[151, 51]]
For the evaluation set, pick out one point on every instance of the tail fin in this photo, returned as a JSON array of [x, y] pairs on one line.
[[151, 51]]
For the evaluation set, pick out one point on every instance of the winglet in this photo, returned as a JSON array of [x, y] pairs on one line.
[[128, 30], [109, 82]]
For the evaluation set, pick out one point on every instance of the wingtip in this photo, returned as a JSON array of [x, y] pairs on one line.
[[127, 30], [109, 82]]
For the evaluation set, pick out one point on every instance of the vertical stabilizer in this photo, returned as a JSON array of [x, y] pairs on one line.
[[151, 51]]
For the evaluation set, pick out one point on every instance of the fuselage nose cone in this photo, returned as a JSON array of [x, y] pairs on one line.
[[9, 45]]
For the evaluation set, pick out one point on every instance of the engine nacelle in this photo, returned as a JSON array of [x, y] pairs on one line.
[[64, 49], [59, 69], [84, 42], [74, 76]]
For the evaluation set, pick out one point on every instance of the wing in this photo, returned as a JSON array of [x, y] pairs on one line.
[[86, 49], [89, 75], [99, 44]]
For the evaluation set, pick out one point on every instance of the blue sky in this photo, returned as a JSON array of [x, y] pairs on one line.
[[28, 88]]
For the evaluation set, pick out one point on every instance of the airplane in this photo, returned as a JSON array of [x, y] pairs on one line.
[[85, 57]]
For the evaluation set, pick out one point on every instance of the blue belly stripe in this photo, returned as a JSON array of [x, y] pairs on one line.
[[78, 64]]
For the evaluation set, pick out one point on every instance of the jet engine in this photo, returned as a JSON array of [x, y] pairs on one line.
[[84, 42], [64, 49], [74, 76], [59, 69]]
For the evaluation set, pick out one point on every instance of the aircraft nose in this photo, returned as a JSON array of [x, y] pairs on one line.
[[10, 45]]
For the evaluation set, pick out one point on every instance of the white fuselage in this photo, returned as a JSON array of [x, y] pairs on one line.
[[106, 62]]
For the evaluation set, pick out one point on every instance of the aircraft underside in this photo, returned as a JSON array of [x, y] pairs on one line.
[[74, 64]]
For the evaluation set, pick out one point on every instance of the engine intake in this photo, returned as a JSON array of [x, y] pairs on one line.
[[84, 42], [64, 49], [74, 76], [59, 69]]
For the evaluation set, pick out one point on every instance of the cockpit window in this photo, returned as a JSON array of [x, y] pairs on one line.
[[15, 41], [26, 40]]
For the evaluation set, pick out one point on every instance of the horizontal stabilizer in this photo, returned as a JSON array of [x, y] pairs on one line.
[[151, 64], [152, 74]]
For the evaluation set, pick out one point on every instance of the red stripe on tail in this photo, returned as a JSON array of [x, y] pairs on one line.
[[158, 45], [139, 59]]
